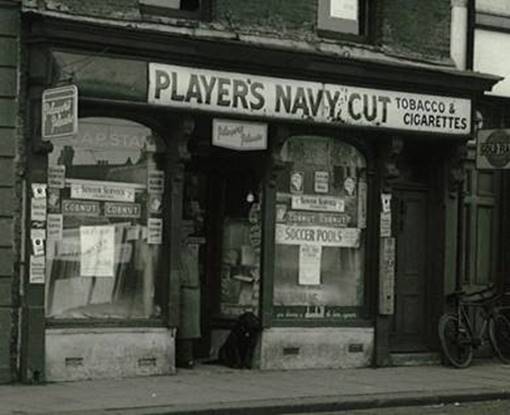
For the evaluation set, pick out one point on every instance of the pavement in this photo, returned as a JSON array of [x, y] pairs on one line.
[[209, 389]]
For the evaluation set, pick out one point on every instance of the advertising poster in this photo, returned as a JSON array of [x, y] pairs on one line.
[[37, 269], [97, 251], [38, 209], [57, 176], [321, 182], [319, 203], [317, 235], [55, 226], [106, 191], [155, 235], [310, 264], [155, 181], [385, 226]]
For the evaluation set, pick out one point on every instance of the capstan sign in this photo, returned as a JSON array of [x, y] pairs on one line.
[[261, 96]]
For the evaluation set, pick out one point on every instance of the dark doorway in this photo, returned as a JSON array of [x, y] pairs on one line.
[[409, 320]]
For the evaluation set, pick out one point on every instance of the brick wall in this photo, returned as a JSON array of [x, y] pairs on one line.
[[9, 26], [414, 28]]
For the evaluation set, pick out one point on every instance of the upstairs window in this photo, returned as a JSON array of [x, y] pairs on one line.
[[193, 9], [342, 17]]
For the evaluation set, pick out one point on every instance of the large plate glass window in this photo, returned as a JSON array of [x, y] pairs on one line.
[[320, 225], [104, 224]]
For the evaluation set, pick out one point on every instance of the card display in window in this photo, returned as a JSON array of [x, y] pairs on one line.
[[96, 190], [310, 264], [97, 249]]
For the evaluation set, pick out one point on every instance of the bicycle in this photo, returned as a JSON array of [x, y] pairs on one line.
[[458, 330]]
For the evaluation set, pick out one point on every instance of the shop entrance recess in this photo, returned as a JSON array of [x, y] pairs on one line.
[[408, 328]]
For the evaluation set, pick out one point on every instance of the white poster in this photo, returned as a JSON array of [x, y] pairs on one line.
[[97, 251], [344, 9], [321, 182], [317, 235], [38, 209], [310, 264], [155, 229], [319, 203], [385, 225]]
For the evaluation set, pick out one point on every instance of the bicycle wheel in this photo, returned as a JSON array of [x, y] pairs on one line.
[[455, 340], [499, 335]]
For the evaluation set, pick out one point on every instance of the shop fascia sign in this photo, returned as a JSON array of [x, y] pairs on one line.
[[59, 112], [493, 149], [239, 135], [261, 96]]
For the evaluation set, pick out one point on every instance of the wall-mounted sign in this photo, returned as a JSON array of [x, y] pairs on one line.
[[59, 112], [317, 235], [344, 9], [156, 181], [38, 210], [122, 210], [81, 208], [97, 190], [493, 149], [320, 203], [55, 226], [321, 182], [155, 231], [261, 96], [239, 135], [340, 220], [37, 269]]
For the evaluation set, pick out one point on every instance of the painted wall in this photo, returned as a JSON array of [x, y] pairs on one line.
[[9, 61]]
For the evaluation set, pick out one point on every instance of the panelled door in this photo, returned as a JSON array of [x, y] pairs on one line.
[[410, 216]]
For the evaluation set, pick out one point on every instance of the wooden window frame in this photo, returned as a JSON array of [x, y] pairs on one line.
[[336, 28]]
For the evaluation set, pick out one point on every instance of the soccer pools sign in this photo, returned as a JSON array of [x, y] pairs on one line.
[[243, 94]]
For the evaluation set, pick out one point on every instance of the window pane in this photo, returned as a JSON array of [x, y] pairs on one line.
[[101, 255], [320, 214]]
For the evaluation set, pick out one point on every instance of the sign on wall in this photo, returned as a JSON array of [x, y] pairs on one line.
[[493, 149], [229, 92], [59, 112], [239, 135]]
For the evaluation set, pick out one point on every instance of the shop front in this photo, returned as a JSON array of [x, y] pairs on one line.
[[195, 190]]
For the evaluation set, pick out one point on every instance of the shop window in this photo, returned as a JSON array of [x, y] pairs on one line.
[[342, 17], [176, 8], [104, 222], [320, 224]]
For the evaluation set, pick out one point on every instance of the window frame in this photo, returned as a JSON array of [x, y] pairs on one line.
[[334, 28], [153, 8]]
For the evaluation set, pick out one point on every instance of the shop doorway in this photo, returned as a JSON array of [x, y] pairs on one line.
[[409, 320], [227, 186]]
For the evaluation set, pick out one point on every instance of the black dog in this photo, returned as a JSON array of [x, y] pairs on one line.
[[238, 349]]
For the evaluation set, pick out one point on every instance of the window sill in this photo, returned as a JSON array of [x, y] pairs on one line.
[[107, 323]]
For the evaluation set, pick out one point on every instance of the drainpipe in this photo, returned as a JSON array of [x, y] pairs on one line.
[[459, 32]]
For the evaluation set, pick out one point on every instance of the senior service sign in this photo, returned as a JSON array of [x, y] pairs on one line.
[[261, 96]]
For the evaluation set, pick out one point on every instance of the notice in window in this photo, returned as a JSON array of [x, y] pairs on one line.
[[344, 9], [310, 264], [97, 248]]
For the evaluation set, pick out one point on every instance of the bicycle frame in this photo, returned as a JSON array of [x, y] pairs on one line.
[[477, 336]]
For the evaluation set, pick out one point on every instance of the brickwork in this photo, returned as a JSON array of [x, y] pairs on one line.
[[408, 28], [9, 26]]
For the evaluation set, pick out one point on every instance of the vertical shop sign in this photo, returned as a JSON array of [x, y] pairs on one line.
[[387, 276], [59, 112], [97, 249], [310, 264], [155, 181]]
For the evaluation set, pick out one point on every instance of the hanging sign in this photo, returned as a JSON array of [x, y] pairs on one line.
[[493, 149], [317, 235], [239, 135], [97, 190], [97, 249], [38, 210], [385, 224], [261, 96], [156, 181], [320, 203], [155, 231], [55, 226], [387, 276], [59, 112]]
